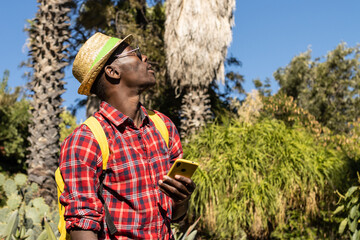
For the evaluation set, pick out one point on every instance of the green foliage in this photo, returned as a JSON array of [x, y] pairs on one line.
[[221, 95], [284, 108], [348, 209], [328, 88], [265, 179], [12, 225], [189, 234], [24, 215], [263, 88], [287, 110], [68, 124], [14, 120]]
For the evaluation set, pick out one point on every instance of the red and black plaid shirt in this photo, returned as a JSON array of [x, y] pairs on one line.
[[138, 159]]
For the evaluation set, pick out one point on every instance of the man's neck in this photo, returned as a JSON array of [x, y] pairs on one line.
[[128, 105]]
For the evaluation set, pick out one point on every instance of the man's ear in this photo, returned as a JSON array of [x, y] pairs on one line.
[[112, 72]]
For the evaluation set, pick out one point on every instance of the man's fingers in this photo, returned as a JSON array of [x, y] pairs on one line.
[[190, 185], [180, 186], [172, 191]]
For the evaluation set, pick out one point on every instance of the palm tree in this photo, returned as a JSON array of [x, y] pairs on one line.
[[48, 33], [197, 35]]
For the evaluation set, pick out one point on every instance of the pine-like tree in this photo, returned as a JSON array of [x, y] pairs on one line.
[[328, 87]]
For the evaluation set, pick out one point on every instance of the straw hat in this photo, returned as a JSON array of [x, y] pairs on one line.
[[92, 57]]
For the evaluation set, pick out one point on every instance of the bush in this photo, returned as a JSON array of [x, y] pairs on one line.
[[14, 120], [348, 207], [68, 124], [265, 180], [285, 109]]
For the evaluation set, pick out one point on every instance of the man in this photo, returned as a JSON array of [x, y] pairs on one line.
[[141, 200]]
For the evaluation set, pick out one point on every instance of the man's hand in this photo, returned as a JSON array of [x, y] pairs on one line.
[[180, 190], [83, 235]]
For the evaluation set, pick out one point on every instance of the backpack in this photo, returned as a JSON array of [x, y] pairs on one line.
[[100, 136]]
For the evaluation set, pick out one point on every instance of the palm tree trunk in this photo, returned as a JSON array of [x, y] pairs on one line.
[[195, 111], [48, 32]]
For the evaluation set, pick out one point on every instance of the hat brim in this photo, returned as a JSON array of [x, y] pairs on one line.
[[90, 77]]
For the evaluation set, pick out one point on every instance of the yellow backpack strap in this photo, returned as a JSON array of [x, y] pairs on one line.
[[100, 136], [60, 188], [160, 126]]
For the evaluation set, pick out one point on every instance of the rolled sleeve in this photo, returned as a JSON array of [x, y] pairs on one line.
[[80, 159]]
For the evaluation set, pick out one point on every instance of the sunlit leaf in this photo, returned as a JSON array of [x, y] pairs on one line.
[[354, 212], [338, 209], [351, 191], [343, 225]]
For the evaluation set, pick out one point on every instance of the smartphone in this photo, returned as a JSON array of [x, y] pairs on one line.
[[183, 167]]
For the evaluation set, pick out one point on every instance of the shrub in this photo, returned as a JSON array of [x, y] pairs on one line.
[[285, 109], [265, 180], [68, 124], [348, 207], [14, 120]]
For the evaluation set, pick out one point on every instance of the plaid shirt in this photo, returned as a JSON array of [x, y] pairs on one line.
[[138, 159]]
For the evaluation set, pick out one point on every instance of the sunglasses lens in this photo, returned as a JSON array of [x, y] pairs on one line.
[[138, 53]]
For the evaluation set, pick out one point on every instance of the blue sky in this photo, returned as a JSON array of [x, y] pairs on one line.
[[266, 36]]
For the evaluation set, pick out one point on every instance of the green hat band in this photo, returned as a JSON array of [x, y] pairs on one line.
[[105, 49]]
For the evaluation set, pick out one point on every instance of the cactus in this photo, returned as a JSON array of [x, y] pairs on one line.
[[33, 214], [11, 227], [43, 235], [30, 192], [191, 235], [23, 215], [34, 187], [30, 234], [14, 201], [38, 210], [20, 233], [10, 187], [40, 205], [4, 213], [2, 179], [20, 179], [49, 231], [188, 235]]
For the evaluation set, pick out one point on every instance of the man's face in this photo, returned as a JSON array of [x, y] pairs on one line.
[[134, 69]]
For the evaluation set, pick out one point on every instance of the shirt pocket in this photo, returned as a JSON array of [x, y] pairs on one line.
[[122, 162], [121, 170]]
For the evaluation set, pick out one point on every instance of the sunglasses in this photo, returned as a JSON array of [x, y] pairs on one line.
[[136, 50]]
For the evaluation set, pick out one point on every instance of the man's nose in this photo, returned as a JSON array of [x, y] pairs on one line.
[[144, 58]]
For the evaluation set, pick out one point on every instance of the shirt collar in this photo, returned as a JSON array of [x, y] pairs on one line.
[[117, 117]]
